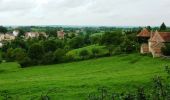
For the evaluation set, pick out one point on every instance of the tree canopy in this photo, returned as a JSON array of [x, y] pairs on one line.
[[163, 27], [3, 29]]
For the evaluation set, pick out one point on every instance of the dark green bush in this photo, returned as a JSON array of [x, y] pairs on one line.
[[59, 55], [76, 42], [9, 55], [26, 62], [19, 54], [84, 54], [95, 52], [50, 45], [48, 58], [36, 51], [166, 50]]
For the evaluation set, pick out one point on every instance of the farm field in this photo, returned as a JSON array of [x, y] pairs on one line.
[[77, 79]]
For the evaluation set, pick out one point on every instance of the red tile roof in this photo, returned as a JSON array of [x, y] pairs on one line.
[[144, 33], [165, 36]]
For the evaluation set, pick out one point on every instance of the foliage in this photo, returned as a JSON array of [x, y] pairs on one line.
[[110, 38], [87, 39], [48, 58], [19, 43], [166, 50], [36, 51], [95, 52], [110, 49], [149, 28], [76, 42], [9, 55], [51, 31], [128, 46], [95, 39], [163, 27], [84, 54], [19, 54], [21, 32], [50, 45], [25, 62], [59, 55], [3, 29], [74, 54]]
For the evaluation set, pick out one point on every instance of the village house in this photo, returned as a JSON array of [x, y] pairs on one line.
[[15, 33], [155, 41], [34, 34], [60, 34], [7, 37]]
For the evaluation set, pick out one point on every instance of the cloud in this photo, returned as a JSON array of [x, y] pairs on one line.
[[15, 5], [84, 12]]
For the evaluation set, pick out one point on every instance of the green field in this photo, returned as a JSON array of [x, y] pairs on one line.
[[75, 80], [75, 53]]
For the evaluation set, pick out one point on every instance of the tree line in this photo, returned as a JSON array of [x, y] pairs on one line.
[[51, 50]]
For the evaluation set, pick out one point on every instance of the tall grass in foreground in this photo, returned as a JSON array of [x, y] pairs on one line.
[[160, 90]]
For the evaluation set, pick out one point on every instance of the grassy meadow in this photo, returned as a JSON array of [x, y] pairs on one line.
[[75, 53], [74, 81]]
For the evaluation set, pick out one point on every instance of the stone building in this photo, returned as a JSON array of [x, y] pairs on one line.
[[155, 41]]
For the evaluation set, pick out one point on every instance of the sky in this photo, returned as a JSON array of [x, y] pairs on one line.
[[85, 12]]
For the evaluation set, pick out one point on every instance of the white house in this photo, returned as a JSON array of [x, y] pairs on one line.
[[34, 34], [7, 37], [15, 33]]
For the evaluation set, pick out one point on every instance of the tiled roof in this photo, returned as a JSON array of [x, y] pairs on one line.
[[144, 33], [165, 36]]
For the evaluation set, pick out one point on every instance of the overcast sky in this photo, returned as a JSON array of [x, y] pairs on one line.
[[85, 12]]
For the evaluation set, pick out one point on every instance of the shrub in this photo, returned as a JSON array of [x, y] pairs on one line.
[[59, 43], [84, 54], [110, 49], [9, 55], [25, 62], [19, 54], [117, 51], [110, 38], [76, 42], [95, 39], [166, 50], [36, 51], [3, 29], [95, 52], [48, 58], [128, 46], [49, 45], [0, 59], [59, 55], [69, 58]]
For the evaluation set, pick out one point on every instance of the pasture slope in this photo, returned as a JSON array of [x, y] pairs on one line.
[[73, 81]]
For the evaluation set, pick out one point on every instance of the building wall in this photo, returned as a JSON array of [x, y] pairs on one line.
[[157, 52], [60, 34], [155, 45], [151, 44], [144, 48]]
